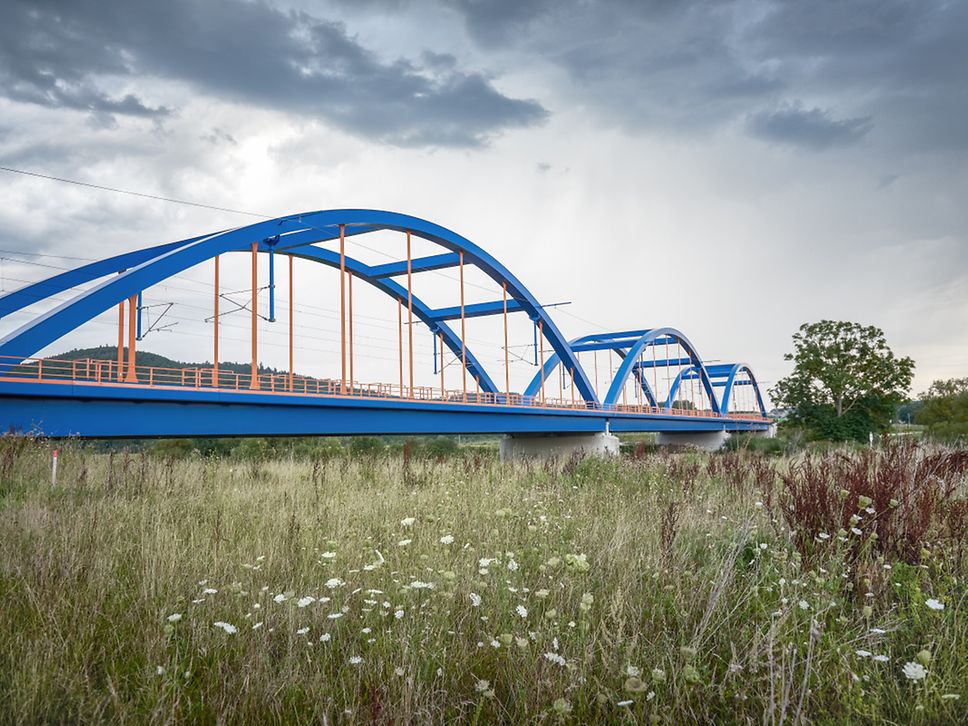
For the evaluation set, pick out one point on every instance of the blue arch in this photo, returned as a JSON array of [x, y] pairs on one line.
[[609, 341], [734, 371], [650, 337], [287, 233]]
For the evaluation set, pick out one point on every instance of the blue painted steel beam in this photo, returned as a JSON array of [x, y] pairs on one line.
[[624, 343], [37, 291], [61, 410], [476, 310], [662, 363], [45, 329], [418, 264]]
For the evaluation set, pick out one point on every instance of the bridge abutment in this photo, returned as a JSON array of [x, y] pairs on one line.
[[704, 440], [516, 447]]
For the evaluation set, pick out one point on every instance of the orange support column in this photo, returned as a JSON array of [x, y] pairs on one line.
[[120, 375], [292, 294], [441, 365], [215, 329], [132, 376], [350, 284], [254, 383], [463, 330], [541, 343], [342, 308], [400, 340], [507, 362], [410, 311]]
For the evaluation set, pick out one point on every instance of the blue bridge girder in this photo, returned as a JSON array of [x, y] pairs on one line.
[[113, 408]]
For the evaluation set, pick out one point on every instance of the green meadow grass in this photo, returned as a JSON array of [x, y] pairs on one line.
[[365, 590]]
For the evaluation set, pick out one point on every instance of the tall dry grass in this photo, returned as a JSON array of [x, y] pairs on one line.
[[664, 588]]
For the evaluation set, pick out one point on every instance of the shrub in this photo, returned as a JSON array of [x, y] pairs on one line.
[[893, 501]]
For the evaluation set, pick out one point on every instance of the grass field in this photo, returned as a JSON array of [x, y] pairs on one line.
[[669, 588]]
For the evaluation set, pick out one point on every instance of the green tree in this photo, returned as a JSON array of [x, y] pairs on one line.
[[846, 381], [944, 409]]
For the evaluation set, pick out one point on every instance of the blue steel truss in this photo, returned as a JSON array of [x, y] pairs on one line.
[[126, 275]]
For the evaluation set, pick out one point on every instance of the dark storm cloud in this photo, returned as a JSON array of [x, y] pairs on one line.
[[694, 65], [66, 54], [809, 128]]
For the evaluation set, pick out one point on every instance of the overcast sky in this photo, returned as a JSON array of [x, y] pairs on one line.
[[733, 169]]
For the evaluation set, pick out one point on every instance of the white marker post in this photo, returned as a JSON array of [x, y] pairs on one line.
[[53, 471]]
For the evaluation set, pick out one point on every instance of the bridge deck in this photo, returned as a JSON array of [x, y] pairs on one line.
[[84, 398]]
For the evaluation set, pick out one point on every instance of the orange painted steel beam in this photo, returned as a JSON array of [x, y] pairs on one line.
[[410, 312], [441, 337], [254, 383], [215, 333], [541, 344], [463, 329], [292, 295], [132, 376], [507, 362], [400, 339], [342, 307], [350, 285], [121, 341]]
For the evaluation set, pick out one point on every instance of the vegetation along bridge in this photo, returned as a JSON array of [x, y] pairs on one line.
[[654, 379]]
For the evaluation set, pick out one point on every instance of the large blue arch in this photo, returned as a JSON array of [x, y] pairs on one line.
[[285, 234]]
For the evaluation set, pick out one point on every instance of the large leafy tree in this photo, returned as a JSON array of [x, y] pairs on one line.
[[846, 381], [944, 409]]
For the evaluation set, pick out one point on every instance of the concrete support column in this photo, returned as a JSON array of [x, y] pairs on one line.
[[704, 440], [561, 446]]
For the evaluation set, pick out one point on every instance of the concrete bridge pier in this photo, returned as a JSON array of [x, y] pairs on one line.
[[704, 440], [516, 447]]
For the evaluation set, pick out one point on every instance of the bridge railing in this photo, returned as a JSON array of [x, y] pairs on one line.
[[101, 372]]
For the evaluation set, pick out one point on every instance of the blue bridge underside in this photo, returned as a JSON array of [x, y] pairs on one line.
[[58, 410]]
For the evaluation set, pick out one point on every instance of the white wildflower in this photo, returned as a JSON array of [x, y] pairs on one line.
[[418, 585], [355, 660], [279, 598], [398, 614], [306, 601], [334, 582], [302, 631], [227, 627], [625, 703], [209, 591], [447, 539], [174, 617], [521, 610], [555, 658], [334, 616], [408, 521], [325, 638], [881, 658], [863, 653], [475, 599], [328, 555], [914, 671], [404, 542], [934, 604]]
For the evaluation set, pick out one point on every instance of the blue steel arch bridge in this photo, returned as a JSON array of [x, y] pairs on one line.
[[660, 383]]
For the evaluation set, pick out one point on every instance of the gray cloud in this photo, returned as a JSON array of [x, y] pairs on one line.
[[807, 128], [64, 53], [695, 65]]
